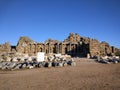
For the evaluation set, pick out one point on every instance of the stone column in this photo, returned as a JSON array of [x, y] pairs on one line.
[[70, 48], [35, 48], [30, 48], [48, 47], [45, 48], [62, 48], [58, 48]]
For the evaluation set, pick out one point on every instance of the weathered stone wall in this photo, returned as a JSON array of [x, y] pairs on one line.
[[73, 45], [72, 38], [5, 48], [105, 48], [94, 46]]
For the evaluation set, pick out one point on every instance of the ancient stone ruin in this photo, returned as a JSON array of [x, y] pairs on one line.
[[73, 45], [53, 53]]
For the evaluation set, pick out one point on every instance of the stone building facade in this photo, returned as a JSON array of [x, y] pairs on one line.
[[73, 45]]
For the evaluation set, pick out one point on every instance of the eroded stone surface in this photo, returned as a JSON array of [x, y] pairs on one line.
[[73, 45]]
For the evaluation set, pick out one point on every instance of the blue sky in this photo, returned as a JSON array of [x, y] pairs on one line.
[[43, 19]]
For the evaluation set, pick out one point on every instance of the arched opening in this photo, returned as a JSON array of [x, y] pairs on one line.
[[40, 49]]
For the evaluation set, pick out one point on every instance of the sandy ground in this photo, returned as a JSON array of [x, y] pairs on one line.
[[87, 75]]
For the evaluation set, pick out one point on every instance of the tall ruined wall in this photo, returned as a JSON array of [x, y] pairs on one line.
[[94, 46], [116, 51], [5, 48], [73, 45], [25, 45], [76, 45], [105, 48], [72, 38]]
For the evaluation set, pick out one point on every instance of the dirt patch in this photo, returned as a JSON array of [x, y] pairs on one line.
[[87, 75]]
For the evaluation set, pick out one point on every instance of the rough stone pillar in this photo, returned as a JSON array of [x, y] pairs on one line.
[[57, 48], [30, 49], [62, 48], [48, 47], [70, 48], [35, 48], [45, 48]]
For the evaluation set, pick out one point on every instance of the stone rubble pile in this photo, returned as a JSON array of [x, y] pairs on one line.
[[27, 62], [108, 59]]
